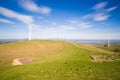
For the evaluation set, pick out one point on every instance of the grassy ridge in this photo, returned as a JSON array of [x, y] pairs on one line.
[[114, 48], [56, 60]]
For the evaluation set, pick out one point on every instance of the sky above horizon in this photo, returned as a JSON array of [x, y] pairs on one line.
[[64, 19]]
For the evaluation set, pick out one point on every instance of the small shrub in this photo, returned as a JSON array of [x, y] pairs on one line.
[[77, 69], [116, 50], [65, 62], [105, 45]]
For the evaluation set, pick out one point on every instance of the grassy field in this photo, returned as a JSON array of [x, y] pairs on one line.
[[113, 48], [56, 60]]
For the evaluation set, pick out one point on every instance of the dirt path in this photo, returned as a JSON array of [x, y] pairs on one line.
[[21, 61], [16, 62], [75, 44], [91, 48]]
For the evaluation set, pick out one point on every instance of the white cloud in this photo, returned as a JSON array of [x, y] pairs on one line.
[[54, 23], [100, 5], [35, 26], [100, 13], [50, 22], [84, 25], [87, 16], [47, 21], [40, 17], [104, 23], [44, 10], [80, 24], [111, 9], [65, 27], [30, 5], [100, 17], [74, 26], [12, 14], [48, 30], [6, 21], [73, 21]]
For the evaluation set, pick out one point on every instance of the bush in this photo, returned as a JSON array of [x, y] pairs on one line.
[[105, 45], [116, 50]]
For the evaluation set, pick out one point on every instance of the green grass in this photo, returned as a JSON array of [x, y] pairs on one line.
[[56, 60], [113, 48]]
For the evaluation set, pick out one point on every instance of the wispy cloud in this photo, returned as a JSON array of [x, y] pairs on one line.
[[30, 5], [80, 24], [74, 25], [100, 12], [48, 30], [50, 22], [84, 25], [6, 21], [40, 17], [73, 21], [101, 16], [88, 16], [100, 5], [111, 9], [68, 26], [54, 23], [47, 21], [65, 27], [12, 14]]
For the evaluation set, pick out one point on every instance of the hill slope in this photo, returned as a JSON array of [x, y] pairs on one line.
[[55, 60]]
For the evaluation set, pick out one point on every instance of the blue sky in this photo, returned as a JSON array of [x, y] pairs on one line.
[[68, 19]]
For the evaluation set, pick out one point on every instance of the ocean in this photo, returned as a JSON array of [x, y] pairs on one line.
[[72, 40], [93, 41]]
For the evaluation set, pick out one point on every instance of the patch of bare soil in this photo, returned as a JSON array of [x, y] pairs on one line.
[[100, 58], [21, 61]]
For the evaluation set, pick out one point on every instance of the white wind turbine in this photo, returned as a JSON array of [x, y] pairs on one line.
[[30, 26], [108, 42]]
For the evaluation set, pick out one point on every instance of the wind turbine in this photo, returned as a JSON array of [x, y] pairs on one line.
[[108, 42], [29, 32]]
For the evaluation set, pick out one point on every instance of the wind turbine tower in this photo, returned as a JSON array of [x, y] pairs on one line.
[[108, 42], [30, 30]]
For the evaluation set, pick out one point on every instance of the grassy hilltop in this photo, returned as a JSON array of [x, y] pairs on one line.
[[56, 60]]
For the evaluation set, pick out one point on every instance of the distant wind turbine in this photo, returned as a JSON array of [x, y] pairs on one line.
[[29, 32], [108, 42]]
